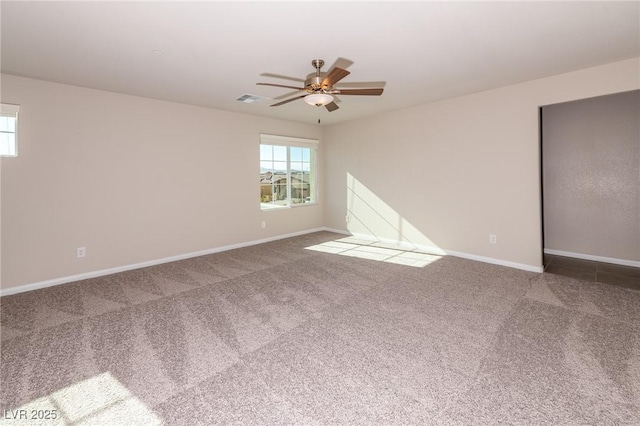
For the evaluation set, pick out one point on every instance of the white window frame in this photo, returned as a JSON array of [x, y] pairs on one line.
[[288, 141], [10, 110]]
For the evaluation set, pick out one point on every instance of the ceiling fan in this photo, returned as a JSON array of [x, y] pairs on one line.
[[319, 87]]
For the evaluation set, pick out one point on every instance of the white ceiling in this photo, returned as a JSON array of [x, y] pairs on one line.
[[214, 52]]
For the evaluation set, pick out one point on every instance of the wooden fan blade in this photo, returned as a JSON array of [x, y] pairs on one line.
[[342, 63], [286, 95], [334, 76], [369, 92], [289, 100], [280, 85], [284, 77], [360, 84], [331, 106]]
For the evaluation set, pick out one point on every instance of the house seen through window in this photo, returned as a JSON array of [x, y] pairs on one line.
[[287, 171], [9, 130]]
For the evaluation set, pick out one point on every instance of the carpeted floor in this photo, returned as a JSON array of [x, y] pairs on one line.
[[283, 334]]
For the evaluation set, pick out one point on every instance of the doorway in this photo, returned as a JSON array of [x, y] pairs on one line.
[[590, 180]]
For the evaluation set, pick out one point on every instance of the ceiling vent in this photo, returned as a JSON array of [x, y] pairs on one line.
[[250, 99]]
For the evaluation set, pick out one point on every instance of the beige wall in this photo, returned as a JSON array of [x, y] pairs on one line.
[[131, 179], [450, 173], [591, 169], [135, 180]]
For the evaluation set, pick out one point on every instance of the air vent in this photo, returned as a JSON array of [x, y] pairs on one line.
[[250, 99]]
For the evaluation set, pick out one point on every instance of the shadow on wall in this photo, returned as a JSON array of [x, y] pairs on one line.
[[369, 216]]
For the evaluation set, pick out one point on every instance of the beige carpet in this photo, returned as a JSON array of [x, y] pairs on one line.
[[283, 334]]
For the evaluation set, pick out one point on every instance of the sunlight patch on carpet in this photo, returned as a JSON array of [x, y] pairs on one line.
[[376, 250], [101, 399]]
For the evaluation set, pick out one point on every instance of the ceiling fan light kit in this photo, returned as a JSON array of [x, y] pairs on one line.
[[318, 99], [319, 87]]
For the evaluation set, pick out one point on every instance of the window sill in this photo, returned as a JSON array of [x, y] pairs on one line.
[[272, 207]]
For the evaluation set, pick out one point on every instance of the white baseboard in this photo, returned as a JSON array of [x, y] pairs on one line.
[[602, 259], [94, 274], [495, 261], [337, 231], [435, 250]]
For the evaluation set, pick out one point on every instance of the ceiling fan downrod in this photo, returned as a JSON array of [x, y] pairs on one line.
[[317, 64]]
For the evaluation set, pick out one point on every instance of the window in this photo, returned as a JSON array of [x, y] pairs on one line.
[[9, 130], [287, 171]]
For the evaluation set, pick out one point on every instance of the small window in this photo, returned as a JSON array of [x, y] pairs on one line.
[[287, 171], [9, 130]]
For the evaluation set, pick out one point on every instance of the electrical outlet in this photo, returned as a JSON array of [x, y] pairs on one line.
[[346, 218], [493, 239], [264, 224], [81, 252]]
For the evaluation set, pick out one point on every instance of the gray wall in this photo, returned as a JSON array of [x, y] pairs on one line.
[[591, 176]]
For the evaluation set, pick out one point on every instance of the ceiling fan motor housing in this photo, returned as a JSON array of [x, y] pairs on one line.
[[313, 83]]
